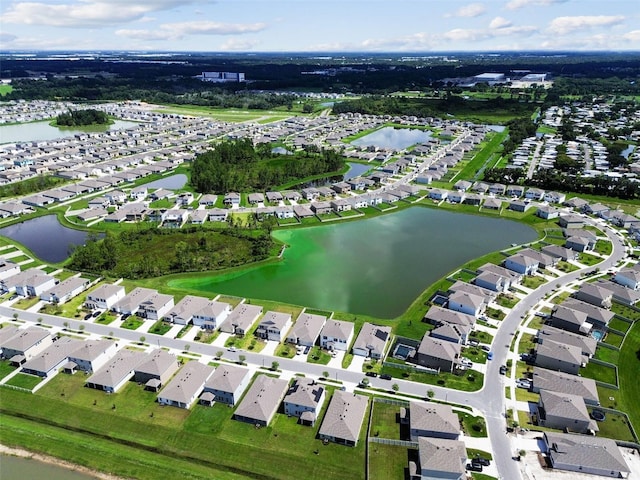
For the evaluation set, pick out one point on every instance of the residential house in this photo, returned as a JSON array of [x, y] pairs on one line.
[[452, 333], [570, 320], [562, 253], [274, 197], [576, 203], [547, 212], [198, 217], [306, 329], [105, 297], [227, 383], [200, 311], [535, 194], [138, 194], [595, 294], [620, 293], [371, 341], [341, 187], [302, 211], [116, 197], [157, 369], [438, 194], [262, 400], [437, 354], [255, 198], [207, 200], [467, 303], [440, 316], [117, 371], [515, 278], [519, 206], [629, 277], [439, 459], [586, 344], [554, 197], [130, 303], [92, 355], [521, 264], [49, 361], [492, 203], [344, 417], [336, 335], [432, 420], [580, 243], [560, 382], [571, 221], [28, 283], [492, 281], [598, 317], [8, 268], [304, 400], [155, 306], [544, 260], [241, 319], [564, 412], [25, 344], [217, 215], [65, 290], [321, 208], [232, 199], [273, 325], [557, 356], [183, 389]]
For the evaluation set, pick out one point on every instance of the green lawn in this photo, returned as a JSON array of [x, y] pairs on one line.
[[625, 311], [603, 247], [317, 355], [473, 426], [132, 323], [507, 300], [160, 327], [24, 381], [387, 462], [470, 381], [530, 281], [620, 325], [613, 339], [615, 426], [384, 422], [475, 354], [132, 421], [588, 259], [600, 373], [5, 368], [628, 368]]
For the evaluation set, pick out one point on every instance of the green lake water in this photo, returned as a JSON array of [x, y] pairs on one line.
[[376, 266], [15, 468]]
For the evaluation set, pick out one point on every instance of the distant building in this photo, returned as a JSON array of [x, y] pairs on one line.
[[221, 77]]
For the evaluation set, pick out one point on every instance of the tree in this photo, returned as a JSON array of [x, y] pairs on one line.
[[142, 339], [307, 108], [39, 320], [15, 316], [187, 347], [430, 393], [241, 359], [65, 324], [219, 354], [395, 387], [364, 382], [275, 365], [325, 374], [81, 327]]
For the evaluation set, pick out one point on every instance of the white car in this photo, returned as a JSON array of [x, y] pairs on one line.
[[232, 348]]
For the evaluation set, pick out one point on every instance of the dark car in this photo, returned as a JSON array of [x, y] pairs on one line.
[[87, 316], [481, 461], [503, 369], [97, 313], [474, 467], [371, 374], [385, 376]]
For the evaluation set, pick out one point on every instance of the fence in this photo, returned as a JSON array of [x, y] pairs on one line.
[[397, 443], [391, 401]]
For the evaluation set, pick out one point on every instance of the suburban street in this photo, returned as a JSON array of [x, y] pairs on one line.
[[490, 400]]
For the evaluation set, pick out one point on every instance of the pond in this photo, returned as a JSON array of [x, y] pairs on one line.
[[355, 170], [397, 138], [45, 237], [376, 266], [29, 132], [17, 468], [171, 182]]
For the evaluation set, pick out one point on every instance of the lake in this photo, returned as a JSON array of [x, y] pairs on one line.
[[170, 182], [397, 138], [376, 266], [355, 170], [46, 237], [16, 468], [29, 132]]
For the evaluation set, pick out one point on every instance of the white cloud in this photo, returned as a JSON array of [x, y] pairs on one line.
[[517, 4], [238, 45], [178, 30], [85, 13], [633, 36], [7, 37], [565, 25], [500, 22], [470, 10]]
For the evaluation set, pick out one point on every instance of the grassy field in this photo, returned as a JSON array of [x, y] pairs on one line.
[[203, 440], [387, 462], [4, 89], [228, 114], [629, 366], [600, 373], [384, 422]]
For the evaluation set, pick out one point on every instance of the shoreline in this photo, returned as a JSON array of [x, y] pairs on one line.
[[58, 462]]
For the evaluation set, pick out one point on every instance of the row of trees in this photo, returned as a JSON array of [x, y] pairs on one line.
[[75, 118], [235, 165]]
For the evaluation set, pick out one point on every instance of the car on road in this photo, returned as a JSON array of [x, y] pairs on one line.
[[371, 374], [485, 348], [503, 369], [490, 356], [231, 348], [385, 376]]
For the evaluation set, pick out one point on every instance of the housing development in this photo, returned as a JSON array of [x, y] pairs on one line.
[[519, 364]]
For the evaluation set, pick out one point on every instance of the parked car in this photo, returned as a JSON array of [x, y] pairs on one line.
[[481, 461], [97, 313], [474, 468], [371, 374], [385, 376], [232, 348], [490, 356], [88, 316], [503, 369]]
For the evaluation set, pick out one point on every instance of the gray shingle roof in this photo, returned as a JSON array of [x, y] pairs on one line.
[[433, 417], [187, 383], [440, 455], [585, 451], [344, 416], [263, 398], [561, 382]]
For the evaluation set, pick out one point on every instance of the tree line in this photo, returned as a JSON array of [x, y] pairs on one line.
[[238, 166]]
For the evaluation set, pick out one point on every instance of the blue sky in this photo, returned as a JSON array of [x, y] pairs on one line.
[[320, 26]]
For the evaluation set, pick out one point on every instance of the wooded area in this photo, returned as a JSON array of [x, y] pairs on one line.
[[75, 118], [238, 166]]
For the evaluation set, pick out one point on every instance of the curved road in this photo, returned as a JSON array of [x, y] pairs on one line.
[[490, 400]]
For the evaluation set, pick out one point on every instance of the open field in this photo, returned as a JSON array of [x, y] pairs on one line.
[[387, 462]]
